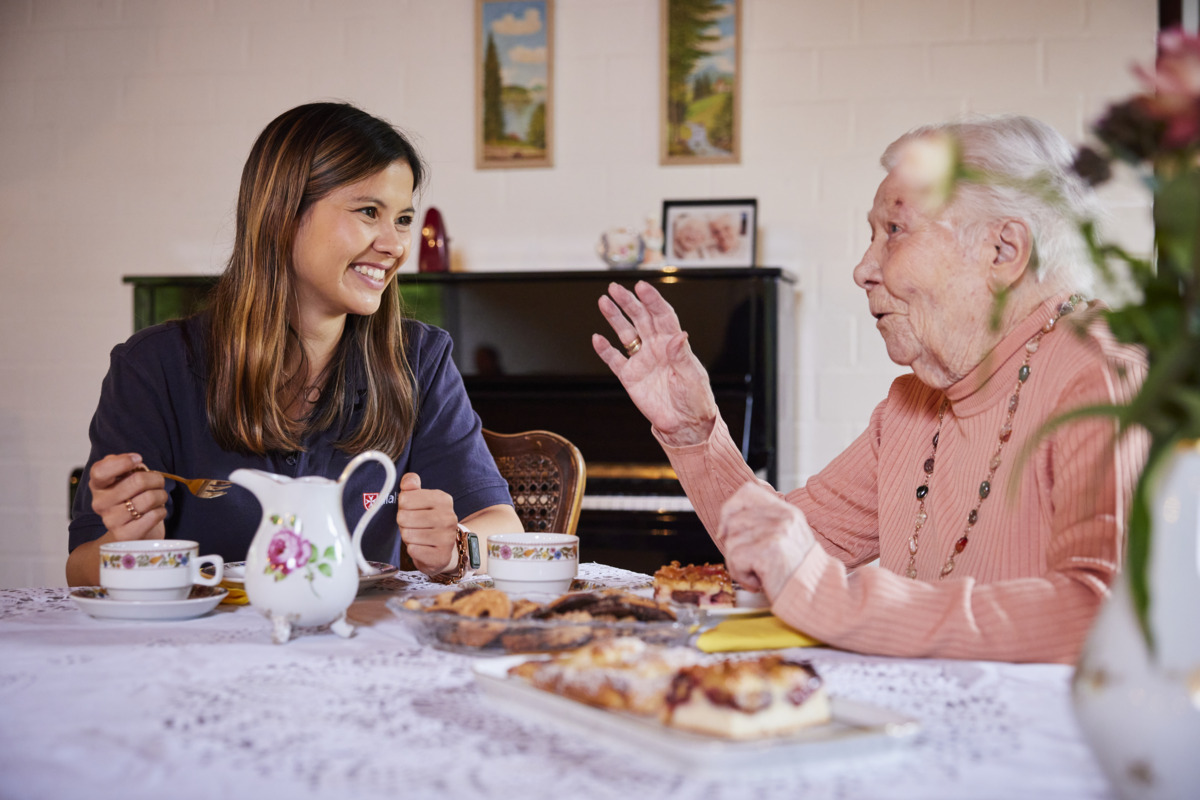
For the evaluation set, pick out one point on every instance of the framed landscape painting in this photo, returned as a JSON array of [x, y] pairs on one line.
[[701, 81], [514, 83]]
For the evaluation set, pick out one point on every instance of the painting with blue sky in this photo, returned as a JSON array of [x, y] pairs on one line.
[[514, 89], [701, 87]]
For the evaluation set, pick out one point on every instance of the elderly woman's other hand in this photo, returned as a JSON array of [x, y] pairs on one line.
[[764, 538], [131, 501], [660, 372]]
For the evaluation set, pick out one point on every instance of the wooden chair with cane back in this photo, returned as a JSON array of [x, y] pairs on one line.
[[546, 475]]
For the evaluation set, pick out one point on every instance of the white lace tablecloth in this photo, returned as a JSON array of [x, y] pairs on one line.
[[210, 708]]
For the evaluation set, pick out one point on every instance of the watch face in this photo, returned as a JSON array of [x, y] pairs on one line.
[[473, 550]]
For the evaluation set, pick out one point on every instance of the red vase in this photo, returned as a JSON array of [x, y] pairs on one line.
[[434, 254]]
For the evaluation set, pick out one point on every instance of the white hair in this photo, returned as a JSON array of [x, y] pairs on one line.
[[1027, 172]]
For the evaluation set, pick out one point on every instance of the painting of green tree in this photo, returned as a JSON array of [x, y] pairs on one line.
[[700, 46], [515, 51]]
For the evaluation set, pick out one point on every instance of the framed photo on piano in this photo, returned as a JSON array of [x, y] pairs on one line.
[[710, 233]]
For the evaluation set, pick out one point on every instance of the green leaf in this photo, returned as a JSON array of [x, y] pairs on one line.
[[1137, 552], [1176, 209], [329, 553], [326, 570]]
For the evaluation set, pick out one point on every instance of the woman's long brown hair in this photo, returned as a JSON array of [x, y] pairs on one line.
[[300, 157]]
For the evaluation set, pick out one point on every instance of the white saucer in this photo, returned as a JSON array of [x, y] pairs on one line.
[[734, 611], [96, 602], [235, 573], [746, 604]]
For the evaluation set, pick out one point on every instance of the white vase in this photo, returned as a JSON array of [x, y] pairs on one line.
[[1139, 711]]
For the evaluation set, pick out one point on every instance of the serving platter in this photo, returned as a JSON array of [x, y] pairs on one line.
[[856, 729]]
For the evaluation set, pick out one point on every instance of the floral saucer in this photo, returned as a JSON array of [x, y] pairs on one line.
[[235, 573], [96, 602]]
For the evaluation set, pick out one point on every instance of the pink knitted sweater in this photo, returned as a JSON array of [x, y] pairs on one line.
[[1049, 538]]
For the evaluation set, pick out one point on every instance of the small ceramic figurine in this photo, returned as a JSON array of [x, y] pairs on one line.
[[621, 248], [652, 241]]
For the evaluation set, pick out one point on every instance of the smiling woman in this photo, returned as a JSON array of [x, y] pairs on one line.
[[302, 360], [349, 245]]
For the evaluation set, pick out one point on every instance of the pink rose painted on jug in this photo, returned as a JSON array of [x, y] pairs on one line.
[[289, 552]]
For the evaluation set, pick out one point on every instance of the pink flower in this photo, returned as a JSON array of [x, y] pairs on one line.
[[505, 552], [929, 165], [284, 549], [128, 561], [305, 553], [1173, 88]]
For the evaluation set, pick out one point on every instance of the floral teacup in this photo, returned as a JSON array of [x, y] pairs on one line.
[[523, 563], [155, 569]]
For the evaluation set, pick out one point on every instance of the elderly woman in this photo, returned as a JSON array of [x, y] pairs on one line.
[[997, 537], [690, 239]]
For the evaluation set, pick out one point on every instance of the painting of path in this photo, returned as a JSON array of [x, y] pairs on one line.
[[701, 92]]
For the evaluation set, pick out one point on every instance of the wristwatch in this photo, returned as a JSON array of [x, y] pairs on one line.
[[468, 557]]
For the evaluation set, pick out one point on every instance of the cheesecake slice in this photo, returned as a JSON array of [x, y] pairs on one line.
[[747, 699], [702, 585]]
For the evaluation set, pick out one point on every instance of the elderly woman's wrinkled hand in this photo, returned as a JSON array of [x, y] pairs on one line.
[[131, 502], [658, 369], [764, 538]]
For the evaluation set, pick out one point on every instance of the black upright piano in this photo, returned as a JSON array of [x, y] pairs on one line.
[[522, 341]]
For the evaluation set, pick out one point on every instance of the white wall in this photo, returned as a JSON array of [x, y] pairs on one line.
[[124, 125]]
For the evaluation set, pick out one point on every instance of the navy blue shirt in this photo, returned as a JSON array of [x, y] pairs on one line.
[[152, 402]]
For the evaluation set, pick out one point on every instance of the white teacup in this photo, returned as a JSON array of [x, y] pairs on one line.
[[155, 569], [539, 563]]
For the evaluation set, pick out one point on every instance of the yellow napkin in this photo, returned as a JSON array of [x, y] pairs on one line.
[[236, 596], [752, 633]]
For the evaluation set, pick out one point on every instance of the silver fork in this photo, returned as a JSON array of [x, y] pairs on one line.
[[204, 488]]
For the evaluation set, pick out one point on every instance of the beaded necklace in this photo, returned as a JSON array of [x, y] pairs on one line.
[[985, 488]]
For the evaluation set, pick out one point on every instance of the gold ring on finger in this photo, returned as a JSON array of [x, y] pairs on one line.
[[133, 512], [633, 346]]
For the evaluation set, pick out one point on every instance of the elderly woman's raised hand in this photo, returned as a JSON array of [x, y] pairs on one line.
[[764, 538], [131, 501], [658, 369]]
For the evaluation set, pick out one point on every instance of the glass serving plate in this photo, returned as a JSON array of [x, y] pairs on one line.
[[490, 636]]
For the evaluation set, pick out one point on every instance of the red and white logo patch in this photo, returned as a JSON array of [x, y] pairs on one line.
[[369, 499]]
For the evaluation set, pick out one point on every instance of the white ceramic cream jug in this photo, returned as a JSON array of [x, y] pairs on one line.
[[302, 567]]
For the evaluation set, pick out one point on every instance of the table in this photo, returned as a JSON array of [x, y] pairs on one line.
[[210, 708]]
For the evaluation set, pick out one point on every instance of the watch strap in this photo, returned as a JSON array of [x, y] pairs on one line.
[[467, 548]]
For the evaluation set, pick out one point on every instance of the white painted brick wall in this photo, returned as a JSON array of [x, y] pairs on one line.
[[124, 125]]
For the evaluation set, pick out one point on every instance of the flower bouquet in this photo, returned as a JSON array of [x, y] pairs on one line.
[[1156, 133]]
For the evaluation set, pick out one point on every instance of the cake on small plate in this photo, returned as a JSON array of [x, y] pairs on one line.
[[702, 585]]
